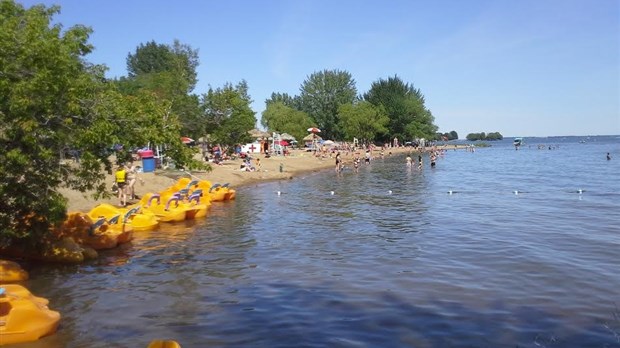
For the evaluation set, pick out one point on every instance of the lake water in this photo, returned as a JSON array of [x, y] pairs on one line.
[[391, 259]]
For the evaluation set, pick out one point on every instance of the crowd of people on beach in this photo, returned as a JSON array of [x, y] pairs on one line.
[[410, 162]]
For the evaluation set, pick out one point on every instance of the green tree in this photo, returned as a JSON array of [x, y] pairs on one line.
[[290, 101], [322, 93], [453, 135], [170, 73], [285, 119], [494, 136], [52, 100], [179, 59], [404, 104], [228, 114], [362, 120]]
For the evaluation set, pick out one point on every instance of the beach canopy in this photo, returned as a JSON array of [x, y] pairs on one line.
[[311, 137], [329, 142], [314, 130], [286, 136], [257, 133]]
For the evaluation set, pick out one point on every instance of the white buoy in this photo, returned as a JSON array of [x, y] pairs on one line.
[[331, 193], [580, 191], [279, 193], [516, 192], [450, 192], [390, 192]]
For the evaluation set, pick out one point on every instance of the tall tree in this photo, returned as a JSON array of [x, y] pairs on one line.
[[363, 120], [409, 117], [179, 59], [282, 118], [52, 100], [170, 73], [228, 115], [322, 93], [290, 101]]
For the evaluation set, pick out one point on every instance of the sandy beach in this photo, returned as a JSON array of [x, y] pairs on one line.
[[298, 162]]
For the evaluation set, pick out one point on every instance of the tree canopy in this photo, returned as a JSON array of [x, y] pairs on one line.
[[282, 118], [322, 93], [483, 136], [404, 104], [228, 115], [363, 120], [52, 101]]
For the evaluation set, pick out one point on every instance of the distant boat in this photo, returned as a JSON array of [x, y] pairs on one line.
[[517, 142]]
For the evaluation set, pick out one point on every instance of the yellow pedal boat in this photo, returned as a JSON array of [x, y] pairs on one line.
[[95, 232], [164, 212], [191, 203], [23, 316], [132, 215], [11, 272]]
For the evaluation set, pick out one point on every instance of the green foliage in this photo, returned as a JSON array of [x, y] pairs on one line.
[[494, 136], [284, 119], [483, 136], [453, 135], [53, 101], [286, 99], [362, 120], [178, 59], [170, 73], [409, 117], [228, 115], [322, 93], [46, 96]]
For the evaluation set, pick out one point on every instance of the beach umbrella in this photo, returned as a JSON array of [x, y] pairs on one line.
[[328, 142], [187, 140], [311, 137], [281, 142], [257, 133], [314, 130]]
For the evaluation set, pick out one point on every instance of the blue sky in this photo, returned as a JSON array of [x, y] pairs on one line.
[[522, 68]]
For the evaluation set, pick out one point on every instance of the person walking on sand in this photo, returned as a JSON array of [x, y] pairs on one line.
[[120, 177], [132, 177]]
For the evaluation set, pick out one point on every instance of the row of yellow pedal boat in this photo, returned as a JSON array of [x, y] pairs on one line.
[[106, 226]]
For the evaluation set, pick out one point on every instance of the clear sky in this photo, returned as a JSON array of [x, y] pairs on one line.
[[518, 67]]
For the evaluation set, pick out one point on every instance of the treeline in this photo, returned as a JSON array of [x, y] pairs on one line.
[[452, 135], [483, 136], [329, 100]]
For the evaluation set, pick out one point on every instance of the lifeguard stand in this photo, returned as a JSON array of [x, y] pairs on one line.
[[276, 144]]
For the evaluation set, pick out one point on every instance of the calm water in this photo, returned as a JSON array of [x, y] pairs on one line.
[[366, 267]]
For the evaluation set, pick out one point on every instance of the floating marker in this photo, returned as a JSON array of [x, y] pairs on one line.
[[516, 192], [331, 193], [450, 192], [279, 193], [580, 191], [390, 192]]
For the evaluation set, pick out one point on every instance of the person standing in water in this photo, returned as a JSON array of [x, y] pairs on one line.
[[608, 156], [338, 163]]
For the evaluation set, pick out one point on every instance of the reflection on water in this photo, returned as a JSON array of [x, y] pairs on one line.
[[390, 259]]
